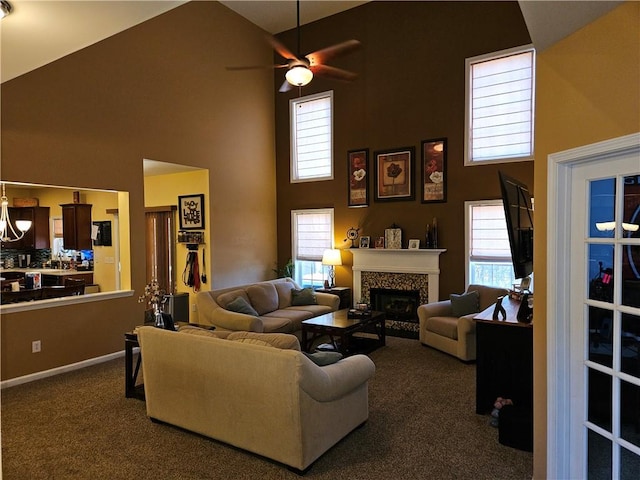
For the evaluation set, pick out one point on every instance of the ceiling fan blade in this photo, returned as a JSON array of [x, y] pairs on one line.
[[280, 48], [322, 56], [333, 72], [285, 87], [255, 67]]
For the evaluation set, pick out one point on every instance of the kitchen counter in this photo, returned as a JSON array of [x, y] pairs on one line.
[[59, 272]]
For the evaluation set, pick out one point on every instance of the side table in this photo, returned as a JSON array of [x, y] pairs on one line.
[[131, 390], [343, 292]]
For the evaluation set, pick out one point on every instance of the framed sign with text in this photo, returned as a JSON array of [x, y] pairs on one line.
[[191, 212]]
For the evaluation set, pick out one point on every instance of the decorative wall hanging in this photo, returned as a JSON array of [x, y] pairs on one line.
[[434, 170], [358, 164], [191, 212], [394, 174]]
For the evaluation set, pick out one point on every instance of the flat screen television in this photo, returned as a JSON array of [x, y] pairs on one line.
[[518, 212]]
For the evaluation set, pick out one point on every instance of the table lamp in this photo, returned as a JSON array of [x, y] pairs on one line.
[[332, 257]]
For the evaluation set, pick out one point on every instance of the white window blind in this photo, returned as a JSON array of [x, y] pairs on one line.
[[489, 239], [311, 137], [500, 97], [312, 233]]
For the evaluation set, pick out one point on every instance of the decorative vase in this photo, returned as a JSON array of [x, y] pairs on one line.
[[157, 315]]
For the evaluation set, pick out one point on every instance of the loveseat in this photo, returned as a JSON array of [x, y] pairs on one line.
[[448, 325], [273, 306], [241, 390]]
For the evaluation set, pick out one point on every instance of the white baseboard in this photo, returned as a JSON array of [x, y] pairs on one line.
[[12, 382]]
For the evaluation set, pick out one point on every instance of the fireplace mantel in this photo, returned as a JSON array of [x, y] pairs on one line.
[[420, 261]]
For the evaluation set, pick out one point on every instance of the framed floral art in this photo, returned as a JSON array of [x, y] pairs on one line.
[[434, 170], [358, 177], [394, 174]]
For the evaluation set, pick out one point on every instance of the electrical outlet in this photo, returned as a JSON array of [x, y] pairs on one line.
[[194, 307], [36, 346]]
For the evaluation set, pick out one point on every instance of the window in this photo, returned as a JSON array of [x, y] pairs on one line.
[[487, 245], [312, 137], [500, 103], [312, 232]]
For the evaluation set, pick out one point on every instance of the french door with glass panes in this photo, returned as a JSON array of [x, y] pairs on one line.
[[605, 319]]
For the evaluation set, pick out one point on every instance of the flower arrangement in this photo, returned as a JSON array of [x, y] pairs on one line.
[[153, 295]]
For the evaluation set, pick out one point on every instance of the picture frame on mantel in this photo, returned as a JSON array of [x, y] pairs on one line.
[[191, 211], [358, 174], [434, 170], [393, 174]]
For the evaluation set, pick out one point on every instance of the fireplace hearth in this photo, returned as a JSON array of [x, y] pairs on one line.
[[399, 305], [400, 270]]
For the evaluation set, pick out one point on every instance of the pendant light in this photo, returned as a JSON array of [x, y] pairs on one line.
[[7, 231]]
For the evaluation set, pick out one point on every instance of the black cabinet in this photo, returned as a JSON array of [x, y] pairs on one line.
[[38, 235], [504, 364], [76, 226], [504, 368]]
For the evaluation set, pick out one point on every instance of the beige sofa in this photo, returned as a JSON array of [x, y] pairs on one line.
[[273, 402], [272, 301], [455, 335]]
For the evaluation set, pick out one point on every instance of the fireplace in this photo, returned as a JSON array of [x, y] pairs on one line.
[[400, 305], [400, 273]]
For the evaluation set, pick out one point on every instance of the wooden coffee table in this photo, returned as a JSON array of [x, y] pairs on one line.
[[341, 329]]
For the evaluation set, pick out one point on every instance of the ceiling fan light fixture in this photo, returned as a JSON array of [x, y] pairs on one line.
[[5, 8], [299, 76]]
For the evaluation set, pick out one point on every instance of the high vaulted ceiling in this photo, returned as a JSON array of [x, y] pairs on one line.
[[39, 32]]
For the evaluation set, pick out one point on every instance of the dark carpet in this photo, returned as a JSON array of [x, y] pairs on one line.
[[422, 425]]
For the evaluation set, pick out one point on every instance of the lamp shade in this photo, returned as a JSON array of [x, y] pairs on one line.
[[299, 76], [331, 256]]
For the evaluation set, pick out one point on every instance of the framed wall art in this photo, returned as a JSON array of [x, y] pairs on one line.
[[434, 170], [358, 163], [191, 212], [394, 174]]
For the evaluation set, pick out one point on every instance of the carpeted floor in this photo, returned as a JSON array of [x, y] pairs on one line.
[[422, 425]]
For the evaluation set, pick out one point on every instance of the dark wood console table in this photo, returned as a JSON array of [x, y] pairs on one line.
[[504, 361], [504, 358]]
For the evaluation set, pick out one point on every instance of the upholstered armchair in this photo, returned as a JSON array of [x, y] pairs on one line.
[[448, 325]]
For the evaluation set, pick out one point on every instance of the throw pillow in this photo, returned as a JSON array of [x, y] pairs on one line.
[[282, 341], [324, 358], [240, 305], [305, 296], [465, 304]]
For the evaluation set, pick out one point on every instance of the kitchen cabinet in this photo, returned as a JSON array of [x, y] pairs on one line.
[[76, 226], [37, 236]]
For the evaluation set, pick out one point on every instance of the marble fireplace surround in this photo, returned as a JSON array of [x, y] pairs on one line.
[[401, 269]]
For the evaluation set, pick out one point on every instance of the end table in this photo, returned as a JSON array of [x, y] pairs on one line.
[[343, 292]]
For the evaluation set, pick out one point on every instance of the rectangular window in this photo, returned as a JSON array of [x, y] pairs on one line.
[[312, 137], [500, 106], [312, 232], [487, 245]]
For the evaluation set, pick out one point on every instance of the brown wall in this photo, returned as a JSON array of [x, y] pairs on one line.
[[410, 88], [159, 90]]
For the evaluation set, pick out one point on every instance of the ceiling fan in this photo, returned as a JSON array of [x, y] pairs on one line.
[[301, 69]]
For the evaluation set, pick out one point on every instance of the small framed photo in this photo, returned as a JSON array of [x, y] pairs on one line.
[[364, 242], [434, 170], [394, 174], [358, 163], [191, 212], [414, 244], [380, 242]]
